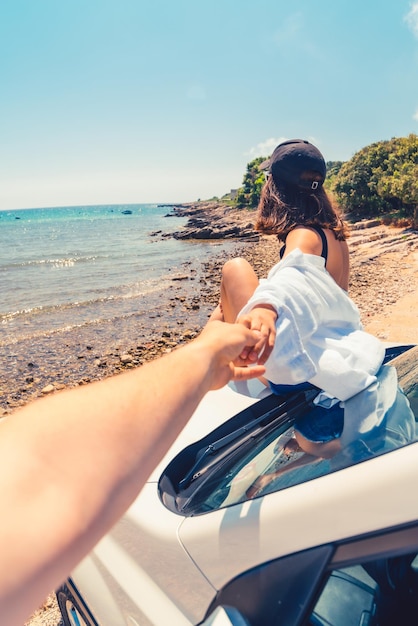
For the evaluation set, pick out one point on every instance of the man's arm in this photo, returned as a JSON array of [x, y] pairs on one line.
[[72, 463]]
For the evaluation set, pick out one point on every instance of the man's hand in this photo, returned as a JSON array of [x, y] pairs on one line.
[[226, 342]]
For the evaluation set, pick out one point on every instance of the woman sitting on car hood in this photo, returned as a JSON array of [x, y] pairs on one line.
[[310, 329]]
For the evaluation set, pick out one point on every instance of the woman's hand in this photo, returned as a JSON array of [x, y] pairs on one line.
[[263, 319]]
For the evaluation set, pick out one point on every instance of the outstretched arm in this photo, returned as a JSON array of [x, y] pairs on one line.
[[72, 463]]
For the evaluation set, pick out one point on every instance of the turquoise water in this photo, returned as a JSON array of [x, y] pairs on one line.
[[68, 266]]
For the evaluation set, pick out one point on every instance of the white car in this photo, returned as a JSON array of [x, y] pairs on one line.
[[237, 526]]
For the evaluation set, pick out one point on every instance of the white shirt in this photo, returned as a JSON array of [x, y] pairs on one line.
[[320, 338]]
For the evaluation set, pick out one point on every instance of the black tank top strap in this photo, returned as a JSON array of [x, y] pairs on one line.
[[321, 233]]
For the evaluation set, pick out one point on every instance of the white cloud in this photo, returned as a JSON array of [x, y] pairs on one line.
[[264, 148], [415, 115], [411, 18]]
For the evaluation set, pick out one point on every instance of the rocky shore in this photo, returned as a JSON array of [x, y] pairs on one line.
[[384, 263], [384, 280], [214, 220], [384, 285]]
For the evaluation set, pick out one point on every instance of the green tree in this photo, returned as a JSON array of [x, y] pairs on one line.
[[380, 179], [249, 194], [333, 167]]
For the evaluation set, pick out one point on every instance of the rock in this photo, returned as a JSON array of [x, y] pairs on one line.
[[48, 389], [214, 220], [126, 358]]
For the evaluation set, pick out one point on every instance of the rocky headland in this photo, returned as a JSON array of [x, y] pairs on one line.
[[214, 220]]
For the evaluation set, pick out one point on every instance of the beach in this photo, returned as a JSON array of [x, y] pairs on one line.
[[383, 284]]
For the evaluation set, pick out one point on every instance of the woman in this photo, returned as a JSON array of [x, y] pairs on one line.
[[310, 329], [295, 207]]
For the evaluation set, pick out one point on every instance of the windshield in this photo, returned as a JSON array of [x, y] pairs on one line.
[[255, 454]]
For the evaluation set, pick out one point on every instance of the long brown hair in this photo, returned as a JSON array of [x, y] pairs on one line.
[[283, 208]]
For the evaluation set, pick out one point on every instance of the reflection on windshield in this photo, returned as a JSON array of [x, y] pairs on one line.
[[376, 420], [281, 441]]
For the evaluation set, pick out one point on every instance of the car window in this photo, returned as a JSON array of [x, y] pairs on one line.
[[381, 592], [258, 451]]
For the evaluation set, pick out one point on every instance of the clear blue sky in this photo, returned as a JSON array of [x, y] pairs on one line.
[[130, 101]]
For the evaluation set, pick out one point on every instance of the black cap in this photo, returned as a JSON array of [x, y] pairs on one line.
[[294, 161]]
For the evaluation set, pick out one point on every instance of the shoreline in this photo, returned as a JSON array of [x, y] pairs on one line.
[[383, 284], [32, 367]]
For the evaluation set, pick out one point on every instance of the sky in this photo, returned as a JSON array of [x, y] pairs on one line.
[[166, 101]]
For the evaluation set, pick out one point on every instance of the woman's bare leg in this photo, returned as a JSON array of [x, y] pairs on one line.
[[238, 284], [239, 281]]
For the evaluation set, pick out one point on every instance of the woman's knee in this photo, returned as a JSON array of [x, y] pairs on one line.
[[237, 267], [238, 284]]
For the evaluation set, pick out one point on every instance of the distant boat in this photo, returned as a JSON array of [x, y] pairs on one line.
[[127, 212]]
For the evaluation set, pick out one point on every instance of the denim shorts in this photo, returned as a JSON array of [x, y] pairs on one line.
[[318, 424], [321, 425]]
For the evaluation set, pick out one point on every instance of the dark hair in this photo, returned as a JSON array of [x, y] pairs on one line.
[[282, 208]]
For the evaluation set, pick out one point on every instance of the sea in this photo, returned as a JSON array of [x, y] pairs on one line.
[[68, 267]]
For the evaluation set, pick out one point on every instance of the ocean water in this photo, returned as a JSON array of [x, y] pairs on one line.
[[65, 267]]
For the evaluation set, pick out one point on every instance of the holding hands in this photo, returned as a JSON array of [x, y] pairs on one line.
[[261, 318], [226, 343]]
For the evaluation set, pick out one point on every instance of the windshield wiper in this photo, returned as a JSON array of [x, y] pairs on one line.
[[218, 449]]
